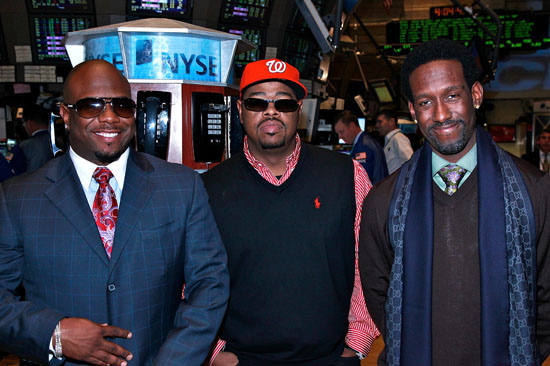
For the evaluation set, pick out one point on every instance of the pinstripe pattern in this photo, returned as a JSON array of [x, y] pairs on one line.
[[165, 233], [361, 332]]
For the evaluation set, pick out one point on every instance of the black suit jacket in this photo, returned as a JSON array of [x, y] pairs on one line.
[[533, 158], [165, 235]]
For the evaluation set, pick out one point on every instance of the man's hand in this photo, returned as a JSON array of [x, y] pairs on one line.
[[226, 359], [348, 353], [84, 340]]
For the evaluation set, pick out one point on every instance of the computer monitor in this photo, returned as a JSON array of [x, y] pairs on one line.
[[60, 6], [47, 32], [255, 35], [252, 12], [382, 90], [179, 9]]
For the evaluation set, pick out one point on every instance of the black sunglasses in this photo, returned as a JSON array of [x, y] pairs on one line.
[[93, 107], [260, 105]]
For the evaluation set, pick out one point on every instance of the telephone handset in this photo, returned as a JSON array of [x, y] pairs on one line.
[[209, 113], [153, 121]]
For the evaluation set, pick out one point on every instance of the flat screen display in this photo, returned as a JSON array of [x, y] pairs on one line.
[[254, 35], [47, 33], [180, 9], [382, 90], [245, 11], [60, 6], [298, 51], [520, 31]]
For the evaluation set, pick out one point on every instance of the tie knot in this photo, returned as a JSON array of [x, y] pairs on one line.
[[102, 175], [451, 175]]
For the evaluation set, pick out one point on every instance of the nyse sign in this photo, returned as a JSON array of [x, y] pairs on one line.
[[161, 57]]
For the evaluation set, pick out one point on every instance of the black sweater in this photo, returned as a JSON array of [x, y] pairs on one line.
[[291, 260]]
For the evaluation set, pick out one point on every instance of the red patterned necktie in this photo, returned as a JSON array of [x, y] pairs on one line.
[[105, 208]]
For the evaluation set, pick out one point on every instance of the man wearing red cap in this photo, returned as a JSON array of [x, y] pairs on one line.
[[289, 216]]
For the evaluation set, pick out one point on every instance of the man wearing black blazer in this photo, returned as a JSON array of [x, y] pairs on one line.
[[103, 264], [541, 155]]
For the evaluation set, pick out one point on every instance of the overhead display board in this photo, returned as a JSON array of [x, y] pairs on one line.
[[47, 32], [60, 6], [520, 31], [178, 9]]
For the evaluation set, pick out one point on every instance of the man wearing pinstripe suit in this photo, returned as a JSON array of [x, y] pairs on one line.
[[120, 306]]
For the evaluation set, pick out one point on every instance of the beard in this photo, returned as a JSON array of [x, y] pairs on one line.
[[450, 148], [106, 158], [276, 144]]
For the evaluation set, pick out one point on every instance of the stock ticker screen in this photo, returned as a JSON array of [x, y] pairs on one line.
[[180, 9], [520, 31], [298, 51], [246, 11], [47, 32], [60, 6], [254, 35]]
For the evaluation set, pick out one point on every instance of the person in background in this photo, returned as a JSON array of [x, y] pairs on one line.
[[103, 240], [289, 216], [541, 156], [37, 149], [397, 146], [6, 170], [366, 149], [454, 247]]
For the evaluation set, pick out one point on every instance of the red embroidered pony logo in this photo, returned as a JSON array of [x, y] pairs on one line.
[[317, 203]]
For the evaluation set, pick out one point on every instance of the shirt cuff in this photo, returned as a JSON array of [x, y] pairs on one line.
[[220, 346], [360, 341]]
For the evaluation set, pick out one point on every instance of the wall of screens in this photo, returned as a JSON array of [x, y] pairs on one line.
[[47, 32], [57, 6], [179, 9], [521, 31]]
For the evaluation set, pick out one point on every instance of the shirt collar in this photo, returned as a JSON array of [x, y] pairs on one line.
[[291, 161], [357, 137], [39, 131], [468, 161], [85, 169], [390, 134]]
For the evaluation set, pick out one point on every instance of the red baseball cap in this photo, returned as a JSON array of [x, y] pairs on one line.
[[273, 70]]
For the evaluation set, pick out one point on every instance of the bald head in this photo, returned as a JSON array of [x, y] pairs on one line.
[[97, 132], [92, 71]]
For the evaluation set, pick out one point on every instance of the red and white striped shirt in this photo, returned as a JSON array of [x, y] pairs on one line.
[[361, 331]]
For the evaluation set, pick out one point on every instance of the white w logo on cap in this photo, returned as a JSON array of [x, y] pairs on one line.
[[276, 66]]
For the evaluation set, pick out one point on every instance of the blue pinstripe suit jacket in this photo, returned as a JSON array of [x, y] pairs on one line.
[[165, 236]]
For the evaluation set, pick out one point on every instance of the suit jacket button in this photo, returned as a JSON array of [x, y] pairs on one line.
[[111, 287]]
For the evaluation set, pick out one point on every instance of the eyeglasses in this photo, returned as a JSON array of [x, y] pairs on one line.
[[93, 107], [260, 105]]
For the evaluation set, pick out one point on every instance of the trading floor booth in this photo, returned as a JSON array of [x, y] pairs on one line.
[[182, 81]]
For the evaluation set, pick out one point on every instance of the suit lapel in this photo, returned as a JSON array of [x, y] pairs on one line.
[[136, 193], [67, 195]]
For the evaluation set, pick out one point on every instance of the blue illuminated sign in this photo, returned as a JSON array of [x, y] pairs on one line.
[[160, 57], [172, 57], [105, 48]]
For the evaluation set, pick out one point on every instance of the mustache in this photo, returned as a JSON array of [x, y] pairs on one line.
[[269, 119], [447, 123]]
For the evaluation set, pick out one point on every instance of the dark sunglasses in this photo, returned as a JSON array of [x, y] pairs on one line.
[[260, 105], [93, 107]]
